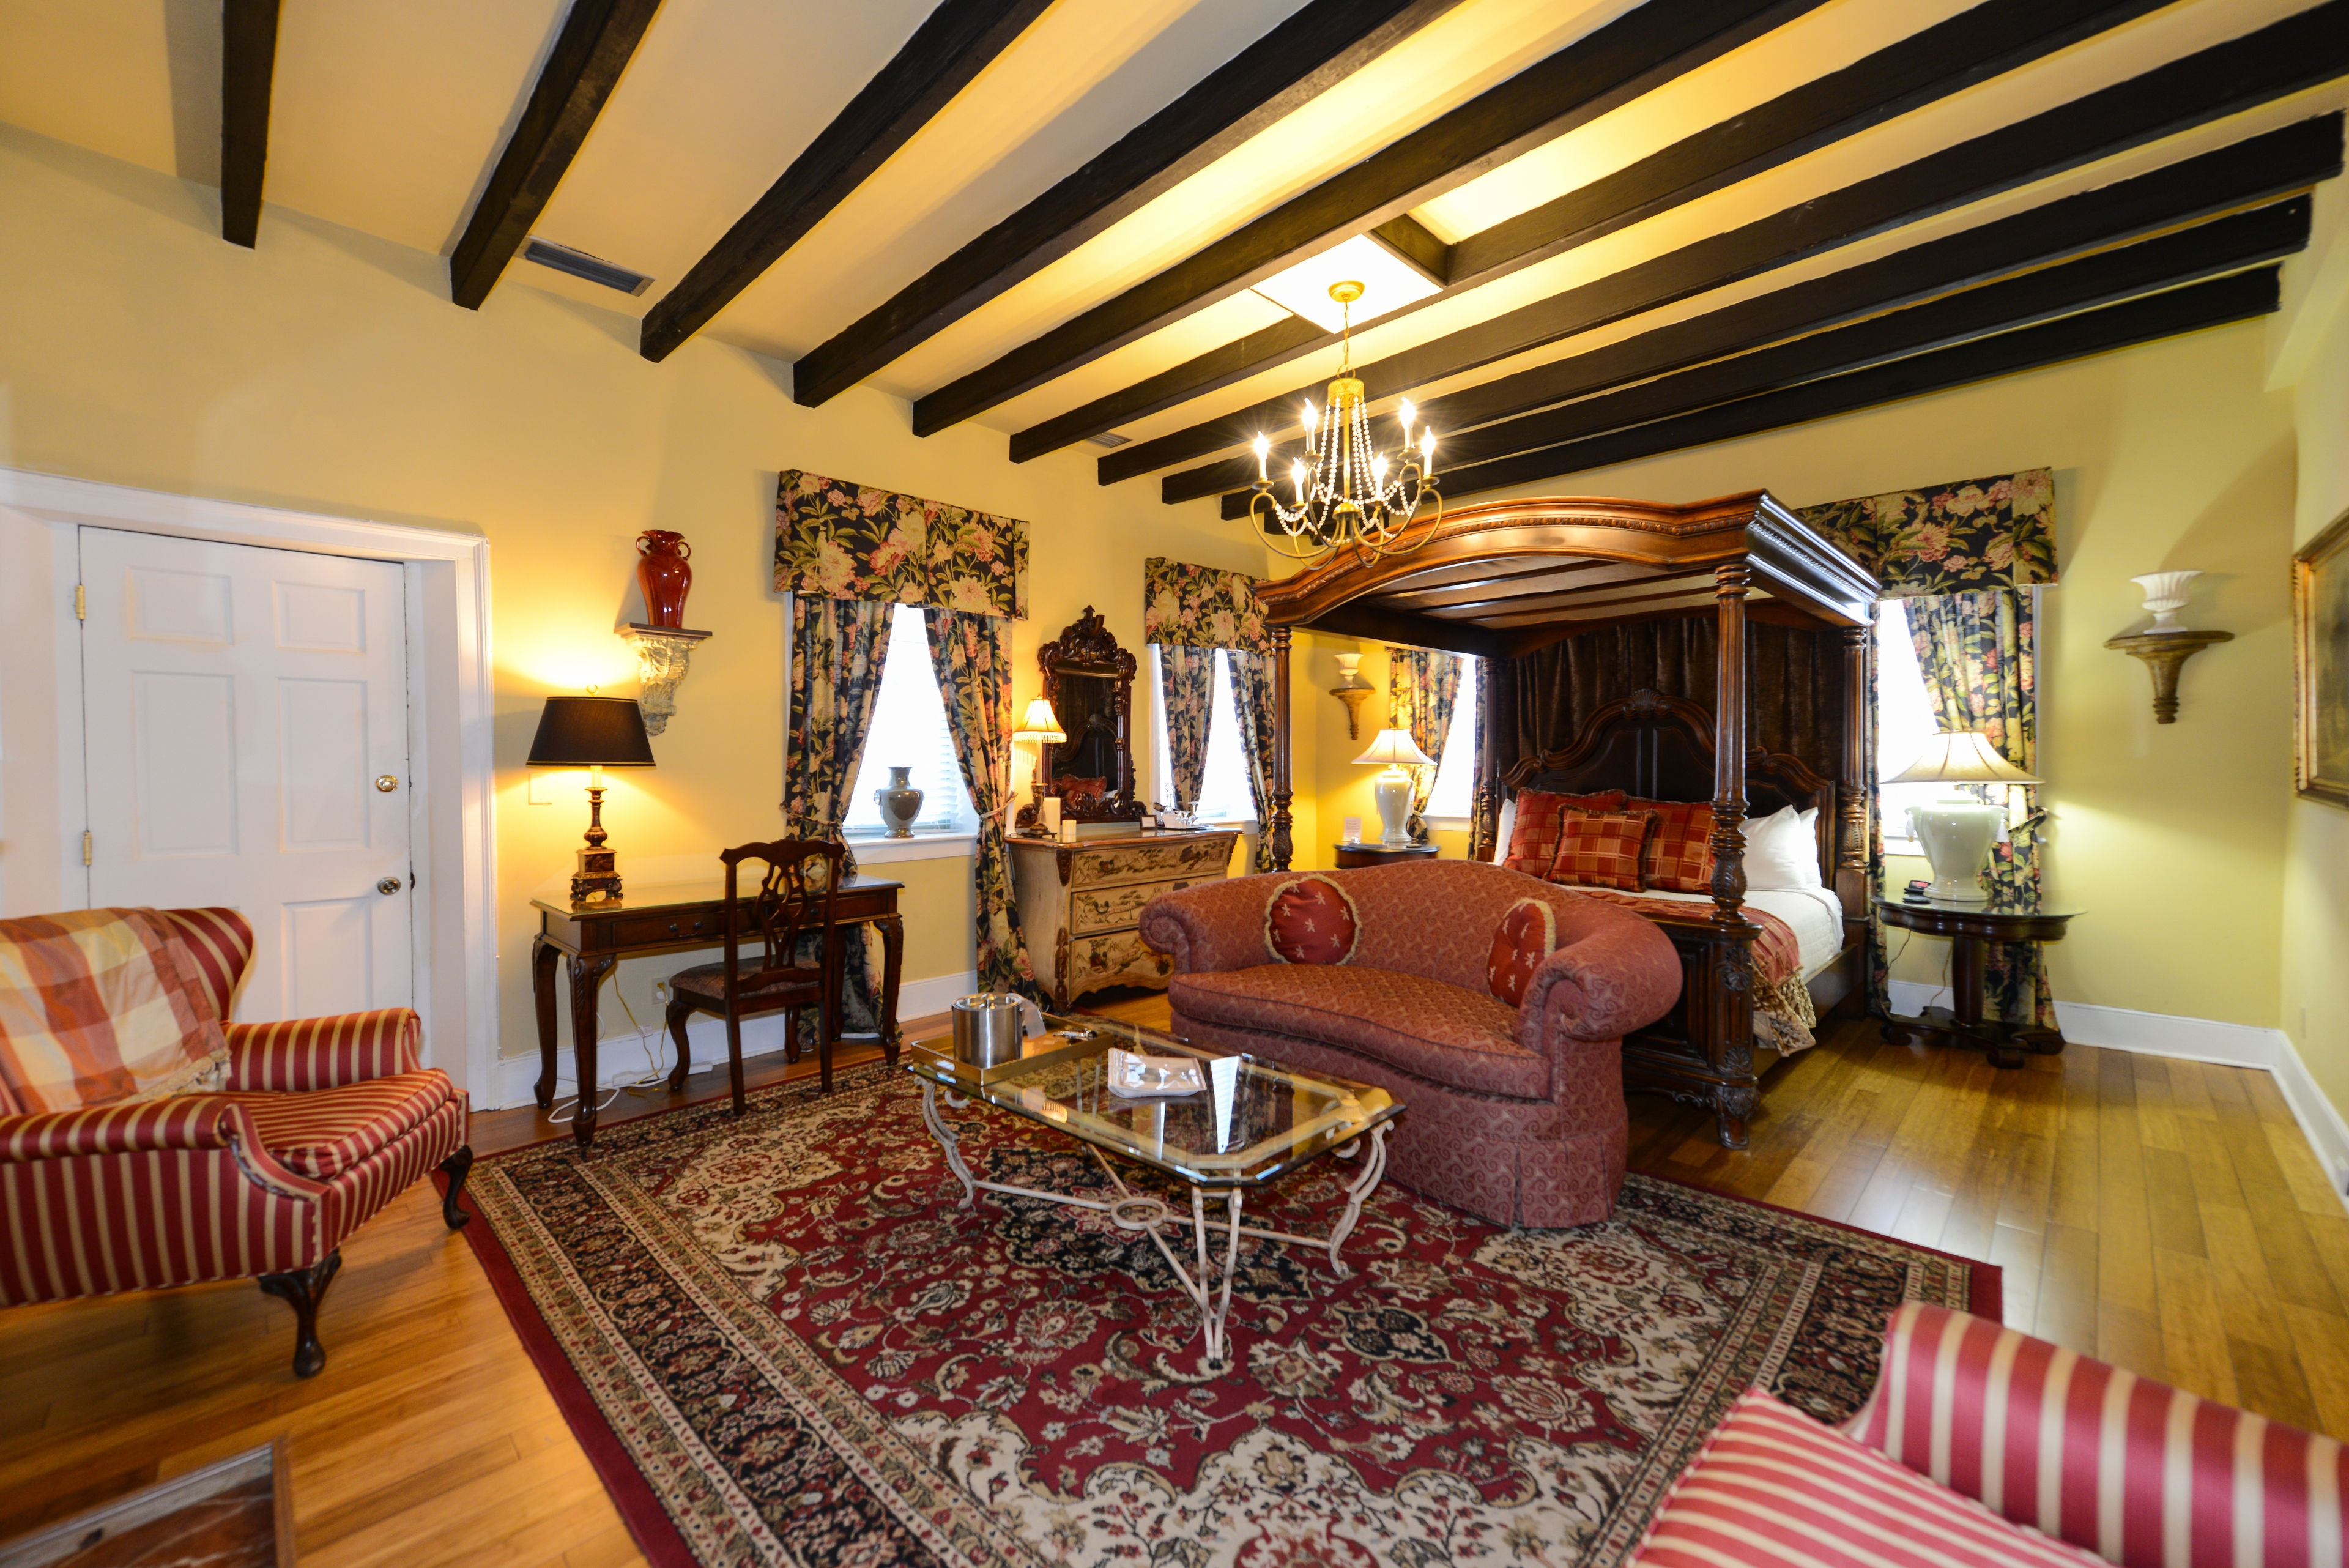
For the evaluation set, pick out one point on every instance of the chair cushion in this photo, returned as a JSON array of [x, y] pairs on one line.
[[1311, 919], [1602, 851], [1773, 1489], [709, 979], [1428, 1028], [324, 1132]]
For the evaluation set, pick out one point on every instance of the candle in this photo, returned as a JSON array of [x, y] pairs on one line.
[[1427, 449], [1263, 447], [1404, 412], [1297, 477]]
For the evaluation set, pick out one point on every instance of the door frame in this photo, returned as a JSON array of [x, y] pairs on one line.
[[452, 807]]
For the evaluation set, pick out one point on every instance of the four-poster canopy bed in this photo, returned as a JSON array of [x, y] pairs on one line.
[[1511, 581]]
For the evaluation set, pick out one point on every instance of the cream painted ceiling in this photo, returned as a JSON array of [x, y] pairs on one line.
[[387, 119]]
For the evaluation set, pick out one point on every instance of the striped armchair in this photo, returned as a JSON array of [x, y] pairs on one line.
[[323, 1122]]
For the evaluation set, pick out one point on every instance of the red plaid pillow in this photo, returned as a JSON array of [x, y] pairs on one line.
[[1603, 851], [1533, 835], [1680, 857], [1527, 935], [1310, 920]]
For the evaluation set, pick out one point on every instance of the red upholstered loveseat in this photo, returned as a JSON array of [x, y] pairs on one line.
[[324, 1121], [1513, 1113]]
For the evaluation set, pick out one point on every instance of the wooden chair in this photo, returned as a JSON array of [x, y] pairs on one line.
[[795, 894]]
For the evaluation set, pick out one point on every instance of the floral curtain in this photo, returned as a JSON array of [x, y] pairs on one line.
[[1184, 606], [1976, 652], [972, 657], [837, 650], [1978, 534], [1252, 706], [1879, 959], [1422, 688], [838, 540], [1186, 691], [1485, 786]]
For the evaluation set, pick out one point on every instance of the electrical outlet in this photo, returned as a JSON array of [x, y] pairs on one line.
[[660, 992]]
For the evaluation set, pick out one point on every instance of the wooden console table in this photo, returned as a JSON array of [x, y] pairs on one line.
[[1372, 852], [1971, 927], [673, 917]]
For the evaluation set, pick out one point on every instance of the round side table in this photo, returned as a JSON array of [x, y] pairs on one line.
[[1971, 927], [1369, 854]]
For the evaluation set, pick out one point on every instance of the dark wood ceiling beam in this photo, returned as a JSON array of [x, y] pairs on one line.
[[1570, 606], [1947, 57], [2240, 298], [2284, 58], [1314, 48], [1414, 245], [1490, 585], [2206, 250], [1632, 54], [2255, 170], [952, 45], [248, 67], [598, 40]]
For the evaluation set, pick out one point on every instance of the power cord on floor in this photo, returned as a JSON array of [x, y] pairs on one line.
[[655, 1074]]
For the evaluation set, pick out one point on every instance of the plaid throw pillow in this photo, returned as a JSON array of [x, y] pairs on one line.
[[102, 1006], [1533, 837], [1680, 857], [1603, 851], [1311, 919]]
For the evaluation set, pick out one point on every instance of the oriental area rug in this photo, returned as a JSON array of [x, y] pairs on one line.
[[783, 1340]]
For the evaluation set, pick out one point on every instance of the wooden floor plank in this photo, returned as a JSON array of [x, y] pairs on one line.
[[2166, 1215]]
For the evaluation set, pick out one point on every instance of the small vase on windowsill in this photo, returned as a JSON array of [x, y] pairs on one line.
[[900, 804]]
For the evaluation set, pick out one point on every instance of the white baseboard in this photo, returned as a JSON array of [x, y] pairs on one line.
[[621, 1058], [2192, 1040]]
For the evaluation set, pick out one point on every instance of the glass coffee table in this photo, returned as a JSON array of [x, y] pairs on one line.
[[1254, 1122]]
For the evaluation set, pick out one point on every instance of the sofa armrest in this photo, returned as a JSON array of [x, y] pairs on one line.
[[1214, 926], [1612, 971], [177, 1122], [2139, 1473], [304, 1054]]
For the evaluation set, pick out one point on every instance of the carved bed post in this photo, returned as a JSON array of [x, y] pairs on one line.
[[1281, 783], [1731, 1047], [1858, 751]]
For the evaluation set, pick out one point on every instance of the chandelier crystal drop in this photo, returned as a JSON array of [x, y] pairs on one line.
[[1346, 493]]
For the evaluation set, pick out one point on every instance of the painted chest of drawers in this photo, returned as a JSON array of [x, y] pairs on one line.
[[1079, 904]]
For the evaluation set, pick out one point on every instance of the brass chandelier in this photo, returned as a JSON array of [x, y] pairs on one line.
[[1346, 493]]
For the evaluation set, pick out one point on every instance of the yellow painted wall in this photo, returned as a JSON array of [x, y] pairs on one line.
[[2168, 455], [2315, 978], [327, 372]]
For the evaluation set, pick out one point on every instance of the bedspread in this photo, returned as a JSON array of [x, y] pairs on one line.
[[1782, 1013]]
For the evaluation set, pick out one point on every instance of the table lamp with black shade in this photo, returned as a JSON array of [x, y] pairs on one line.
[[594, 733]]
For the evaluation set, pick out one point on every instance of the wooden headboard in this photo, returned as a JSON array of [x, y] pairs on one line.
[[1661, 748]]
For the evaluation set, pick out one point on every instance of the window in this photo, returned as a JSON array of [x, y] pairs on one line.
[[909, 729], [1454, 794], [1904, 723], [1223, 789]]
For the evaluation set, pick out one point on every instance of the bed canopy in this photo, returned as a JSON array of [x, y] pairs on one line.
[[1506, 579]]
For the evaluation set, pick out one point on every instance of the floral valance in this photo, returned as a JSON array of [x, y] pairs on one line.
[[837, 540], [1951, 538], [1184, 606]]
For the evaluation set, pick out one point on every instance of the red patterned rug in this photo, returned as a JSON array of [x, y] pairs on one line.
[[781, 1341]]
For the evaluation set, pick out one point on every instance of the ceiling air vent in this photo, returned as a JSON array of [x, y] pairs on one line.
[[579, 264], [1109, 438]]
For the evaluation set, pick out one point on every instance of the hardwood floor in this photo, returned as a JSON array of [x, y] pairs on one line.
[[2165, 1215]]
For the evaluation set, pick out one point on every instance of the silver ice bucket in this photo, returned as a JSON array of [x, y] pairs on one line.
[[989, 1026]]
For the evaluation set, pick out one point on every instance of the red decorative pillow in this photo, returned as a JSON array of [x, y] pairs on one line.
[[1527, 935], [1680, 856], [1309, 919], [1533, 835], [1603, 851]]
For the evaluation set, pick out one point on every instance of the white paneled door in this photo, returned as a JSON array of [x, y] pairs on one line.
[[246, 720]]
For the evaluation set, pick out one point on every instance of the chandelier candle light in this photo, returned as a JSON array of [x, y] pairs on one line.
[[1341, 487], [1957, 831], [1396, 749]]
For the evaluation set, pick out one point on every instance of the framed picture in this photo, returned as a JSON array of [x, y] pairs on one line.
[[2320, 621]]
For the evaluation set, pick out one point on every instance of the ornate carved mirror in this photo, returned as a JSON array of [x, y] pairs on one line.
[[1089, 681]]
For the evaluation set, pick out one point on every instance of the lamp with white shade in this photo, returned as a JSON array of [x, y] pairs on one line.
[[1956, 831], [1038, 727], [1396, 749]]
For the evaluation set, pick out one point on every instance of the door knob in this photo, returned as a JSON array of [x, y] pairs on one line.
[[387, 887], [387, 782]]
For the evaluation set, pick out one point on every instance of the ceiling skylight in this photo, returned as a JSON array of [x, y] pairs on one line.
[[1389, 283]]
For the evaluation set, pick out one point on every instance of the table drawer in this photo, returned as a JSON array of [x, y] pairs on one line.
[[1114, 909], [1099, 961], [1197, 860], [653, 930]]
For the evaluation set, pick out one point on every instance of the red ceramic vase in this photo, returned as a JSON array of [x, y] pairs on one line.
[[662, 573]]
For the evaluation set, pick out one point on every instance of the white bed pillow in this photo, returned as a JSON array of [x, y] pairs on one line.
[[1508, 825], [1782, 850]]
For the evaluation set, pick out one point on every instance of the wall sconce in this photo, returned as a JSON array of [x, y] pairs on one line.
[[1351, 690], [2166, 646], [663, 655]]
